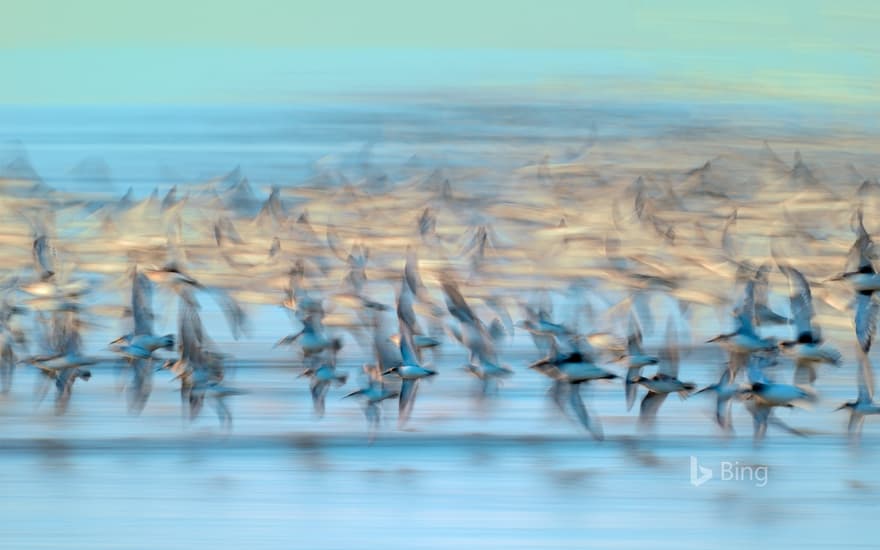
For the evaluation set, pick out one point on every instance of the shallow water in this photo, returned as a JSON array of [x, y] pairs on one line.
[[512, 474]]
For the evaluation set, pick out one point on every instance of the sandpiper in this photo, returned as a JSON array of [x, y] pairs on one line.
[[373, 394], [410, 371], [763, 395], [636, 359], [808, 348], [569, 369], [863, 405], [665, 381], [726, 391]]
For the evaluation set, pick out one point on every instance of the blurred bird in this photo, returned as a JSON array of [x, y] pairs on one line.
[[373, 394], [410, 372], [726, 391], [864, 405], [665, 381], [569, 368], [763, 395], [138, 346], [636, 359], [807, 348]]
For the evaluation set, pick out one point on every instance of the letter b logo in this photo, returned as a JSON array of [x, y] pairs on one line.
[[699, 474]]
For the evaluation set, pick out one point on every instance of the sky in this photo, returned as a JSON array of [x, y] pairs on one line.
[[198, 51]]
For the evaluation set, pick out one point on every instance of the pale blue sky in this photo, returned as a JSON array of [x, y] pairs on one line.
[[103, 51]]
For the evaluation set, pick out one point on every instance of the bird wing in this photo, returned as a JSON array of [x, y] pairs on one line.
[[650, 405], [727, 243], [411, 275], [407, 347], [318, 389], [503, 317], [801, 300], [44, 256], [577, 405], [405, 311], [866, 319], [642, 304], [67, 335], [631, 387], [859, 256], [407, 398], [865, 378], [804, 373], [745, 313], [634, 339], [44, 339], [756, 370], [141, 303], [669, 356], [455, 302], [762, 284], [738, 360], [190, 329], [722, 412], [235, 315], [387, 353], [855, 423]]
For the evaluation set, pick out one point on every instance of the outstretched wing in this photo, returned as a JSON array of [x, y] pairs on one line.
[[407, 398], [669, 356], [650, 405], [859, 256], [141, 303], [455, 302], [634, 339], [44, 257], [866, 320], [407, 346], [866, 378], [577, 405], [801, 302]]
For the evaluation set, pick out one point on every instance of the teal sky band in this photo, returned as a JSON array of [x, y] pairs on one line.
[[119, 52]]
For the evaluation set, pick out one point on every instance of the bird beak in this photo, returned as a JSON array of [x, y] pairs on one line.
[[841, 407]]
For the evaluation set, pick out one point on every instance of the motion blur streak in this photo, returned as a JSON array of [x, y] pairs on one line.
[[564, 237]]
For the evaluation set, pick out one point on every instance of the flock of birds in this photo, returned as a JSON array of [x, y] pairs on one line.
[[332, 282]]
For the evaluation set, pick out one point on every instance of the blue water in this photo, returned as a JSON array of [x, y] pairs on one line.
[[112, 148], [515, 476]]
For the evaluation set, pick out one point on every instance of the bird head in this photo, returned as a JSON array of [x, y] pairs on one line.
[[121, 340], [167, 342], [167, 364]]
